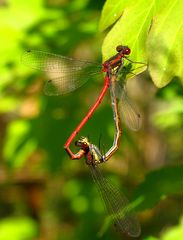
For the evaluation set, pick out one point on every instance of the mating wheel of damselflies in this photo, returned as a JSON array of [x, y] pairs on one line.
[[67, 74]]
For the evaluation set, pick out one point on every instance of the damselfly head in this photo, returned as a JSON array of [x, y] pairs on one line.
[[82, 143], [124, 49]]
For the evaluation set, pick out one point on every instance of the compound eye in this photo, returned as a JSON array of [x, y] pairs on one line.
[[127, 50], [119, 48]]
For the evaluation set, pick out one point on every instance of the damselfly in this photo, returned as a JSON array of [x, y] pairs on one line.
[[67, 74], [120, 211]]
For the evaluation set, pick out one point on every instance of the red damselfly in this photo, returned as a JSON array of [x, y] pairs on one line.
[[117, 205], [67, 74], [118, 130], [120, 211]]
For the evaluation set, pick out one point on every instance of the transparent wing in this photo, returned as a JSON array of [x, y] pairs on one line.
[[116, 204], [127, 111], [65, 74], [66, 83]]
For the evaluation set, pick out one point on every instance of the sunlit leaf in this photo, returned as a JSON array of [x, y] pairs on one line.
[[131, 29], [165, 45], [154, 32], [112, 10]]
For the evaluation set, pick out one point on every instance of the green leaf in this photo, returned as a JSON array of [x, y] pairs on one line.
[[152, 29], [111, 12], [159, 184], [131, 29], [164, 45]]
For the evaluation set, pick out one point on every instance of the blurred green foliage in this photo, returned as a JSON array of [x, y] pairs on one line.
[[18, 228], [174, 233], [44, 195]]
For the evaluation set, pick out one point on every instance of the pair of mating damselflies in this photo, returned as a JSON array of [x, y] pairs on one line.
[[117, 205], [67, 74]]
